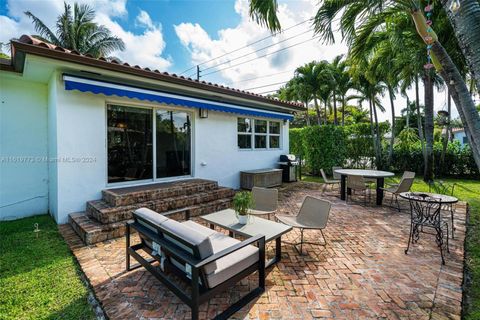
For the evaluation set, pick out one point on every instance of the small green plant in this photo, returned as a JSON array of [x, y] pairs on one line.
[[242, 202]]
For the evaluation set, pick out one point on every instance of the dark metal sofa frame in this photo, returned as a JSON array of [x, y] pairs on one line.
[[199, 292]]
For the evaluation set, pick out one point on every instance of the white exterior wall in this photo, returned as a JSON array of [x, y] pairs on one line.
[[74, 141], [81, 149], [23, 147], [216, 146], [459, 136]]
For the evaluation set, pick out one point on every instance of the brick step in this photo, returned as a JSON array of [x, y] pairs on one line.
[[105, 213], [92, 231], [157, 191]]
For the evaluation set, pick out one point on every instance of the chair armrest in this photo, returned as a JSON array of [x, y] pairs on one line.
[[171, 249], [258, 238]]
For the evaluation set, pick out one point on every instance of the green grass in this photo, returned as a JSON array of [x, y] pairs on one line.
[[469, 191], [39, 278]]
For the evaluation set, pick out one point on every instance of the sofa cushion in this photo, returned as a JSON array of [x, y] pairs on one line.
[[231, 264], [145, 214], [191, 236]]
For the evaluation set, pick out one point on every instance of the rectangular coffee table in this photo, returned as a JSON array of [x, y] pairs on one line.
[[227, 219]]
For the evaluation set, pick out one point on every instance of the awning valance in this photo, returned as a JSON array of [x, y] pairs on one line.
[[110, 89]]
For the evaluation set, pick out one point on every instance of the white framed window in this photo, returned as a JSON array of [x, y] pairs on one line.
[[258, 133]]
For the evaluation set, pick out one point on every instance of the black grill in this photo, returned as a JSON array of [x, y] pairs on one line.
[[289, 164]]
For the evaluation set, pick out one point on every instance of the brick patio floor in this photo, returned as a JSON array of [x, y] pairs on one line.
[[362, 273]]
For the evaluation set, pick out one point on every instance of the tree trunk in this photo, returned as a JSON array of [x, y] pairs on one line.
[[462, 98], [307, 119], [325, 103], [377, 137], [454, 80], [428, 168], [408, 113], [447, 131], [317, 109], [335, 121], [419, 117], [343, 110], [392, 137], [372, 130], [466, 24]]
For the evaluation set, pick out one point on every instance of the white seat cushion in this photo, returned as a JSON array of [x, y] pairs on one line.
[[190, 235], [145, 214], [230, 265]]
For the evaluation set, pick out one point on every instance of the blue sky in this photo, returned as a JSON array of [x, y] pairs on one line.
[[173, 35]]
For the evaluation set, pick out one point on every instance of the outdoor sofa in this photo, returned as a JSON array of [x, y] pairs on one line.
[[210, 262]]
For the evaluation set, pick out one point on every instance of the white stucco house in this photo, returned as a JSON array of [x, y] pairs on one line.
[[72, 125], [460, 136]]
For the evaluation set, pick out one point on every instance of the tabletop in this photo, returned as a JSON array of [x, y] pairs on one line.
[[428, 197], [227, 219], [365, 173]]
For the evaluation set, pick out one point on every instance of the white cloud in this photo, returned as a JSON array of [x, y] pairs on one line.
[[144, 49], [203, 47]]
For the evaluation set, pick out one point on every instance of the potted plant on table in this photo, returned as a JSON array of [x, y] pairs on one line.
[[242, 202]]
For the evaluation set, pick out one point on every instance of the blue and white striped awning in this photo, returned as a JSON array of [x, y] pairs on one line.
[[110, 89]]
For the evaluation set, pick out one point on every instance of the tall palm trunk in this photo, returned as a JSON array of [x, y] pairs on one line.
[[447, 131], [325, 103], [335, 120], [317, 109], [466, 24], [377, 136], [392, 137], [419, 116], [408, 113], [462, 98], [455, 82], [372, 130], [307, 117], [428, 168], [343, 110]]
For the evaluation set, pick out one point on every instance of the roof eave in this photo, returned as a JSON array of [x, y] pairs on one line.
[[19, 49]]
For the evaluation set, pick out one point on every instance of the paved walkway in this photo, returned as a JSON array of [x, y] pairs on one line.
[[363, 272]]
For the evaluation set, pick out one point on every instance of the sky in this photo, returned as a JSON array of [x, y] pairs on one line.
[[177, 35]]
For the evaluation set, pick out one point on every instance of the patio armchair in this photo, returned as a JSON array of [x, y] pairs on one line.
[[336, 176], [265, 201], [327, 181], [358, 183], [404, 186], [208, 261], [406, 174], [313, 215]]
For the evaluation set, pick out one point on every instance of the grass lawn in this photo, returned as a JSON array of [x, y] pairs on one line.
[[39, 277], [469, 191]]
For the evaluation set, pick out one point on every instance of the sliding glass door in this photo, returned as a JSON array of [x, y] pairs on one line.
[[146, 144], [173, 143]]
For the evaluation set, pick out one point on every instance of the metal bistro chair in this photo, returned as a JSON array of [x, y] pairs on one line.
[[265, 201], [328, 182], [447, 189], [406, 174], [357, 183], [312, 215], [425, 211], [404, 186]]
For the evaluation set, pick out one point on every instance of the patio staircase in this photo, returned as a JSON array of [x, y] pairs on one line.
[[105, 219]]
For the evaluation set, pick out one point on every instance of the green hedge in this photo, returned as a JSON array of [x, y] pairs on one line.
[[352, 146]]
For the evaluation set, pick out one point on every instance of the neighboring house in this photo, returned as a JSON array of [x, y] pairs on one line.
[[72, 125], [458, 135]]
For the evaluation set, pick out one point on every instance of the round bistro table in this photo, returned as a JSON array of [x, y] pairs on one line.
[[372, 174]]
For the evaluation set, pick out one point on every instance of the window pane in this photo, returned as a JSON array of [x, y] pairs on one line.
[[173, 143], [260, 126], [274, 141], [244, 141], [260, 142], [244, 125], [274, 127], [129, 143]]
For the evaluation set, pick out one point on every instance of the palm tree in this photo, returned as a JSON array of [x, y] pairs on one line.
[[296, 90], [368, 16], [308, 78], [342, 83], [78, 32]]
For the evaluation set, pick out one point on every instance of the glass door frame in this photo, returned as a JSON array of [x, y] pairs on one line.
[[153, 108]]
